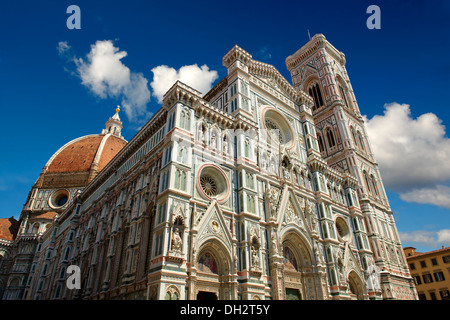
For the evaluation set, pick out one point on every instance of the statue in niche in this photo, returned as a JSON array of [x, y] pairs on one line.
[[340, 264], [177, 242], [225, 144], [317, 252], [372, 275], [273, 202], [201, 133], [255, 256], [213, 140], [310, 213], [274, 245]]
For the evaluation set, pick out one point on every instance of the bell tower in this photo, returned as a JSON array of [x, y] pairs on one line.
[[318, 69]]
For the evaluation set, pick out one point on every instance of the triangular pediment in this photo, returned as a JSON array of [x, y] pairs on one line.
[[291, 211], [213, 225], [351, 262]]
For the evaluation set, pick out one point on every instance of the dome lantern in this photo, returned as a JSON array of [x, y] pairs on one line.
[[114, 125]]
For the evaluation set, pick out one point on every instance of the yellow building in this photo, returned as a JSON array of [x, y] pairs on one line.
[[431, 272]]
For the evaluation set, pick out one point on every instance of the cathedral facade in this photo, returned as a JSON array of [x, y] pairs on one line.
[[257, 190]]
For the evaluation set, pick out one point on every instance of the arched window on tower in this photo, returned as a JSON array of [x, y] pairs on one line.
[[344, 92], [366, 179], [320, 141], [374, 185], [361, 141], [315, 92], [344, 96], [330, 138], [355, 140]]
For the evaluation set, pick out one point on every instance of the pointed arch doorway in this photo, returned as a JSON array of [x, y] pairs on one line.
[[214, 281], [299, 278], [356, 286]]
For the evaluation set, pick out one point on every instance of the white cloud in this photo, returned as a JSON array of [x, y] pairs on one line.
[[443, 236], [63, 47], [426, 238], [438, 195], [199, 78], [104, 74], [411, 153]]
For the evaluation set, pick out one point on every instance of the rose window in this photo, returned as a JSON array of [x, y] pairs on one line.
[[209, 185], [270, 125], [213, 183]]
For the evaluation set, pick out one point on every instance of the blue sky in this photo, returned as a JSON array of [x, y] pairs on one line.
[[400, 75]]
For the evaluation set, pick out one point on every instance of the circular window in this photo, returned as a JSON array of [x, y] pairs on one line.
[[275, 123], [270, 125], [342, 229], [209, 185], [59, 198], [213, 183]]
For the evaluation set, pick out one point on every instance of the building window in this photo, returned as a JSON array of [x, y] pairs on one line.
[[67, 253], [159, 244], [319, 139], [418, 280], [249, 180], [344, 96], [433, 296], [445, 295], [247, 148], [439, 276], [427, 278], [185, 120], [250, 204], [167, 155], [208, 185], [422, 296], [361, 141], [374, 185], [180, 179], [162, 213], [434, 262], [233, 89], [316, 94], [233, 105], [412, 266], [423, 264], [446, 259], [330, 138], [366, 179]]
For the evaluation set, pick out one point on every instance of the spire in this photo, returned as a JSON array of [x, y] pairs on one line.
[[114, 125]]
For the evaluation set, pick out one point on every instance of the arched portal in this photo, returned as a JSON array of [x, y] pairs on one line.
[[213, 265], [298, 272], [356, 286]]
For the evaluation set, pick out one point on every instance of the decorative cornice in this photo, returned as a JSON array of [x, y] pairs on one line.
[[310, 48]]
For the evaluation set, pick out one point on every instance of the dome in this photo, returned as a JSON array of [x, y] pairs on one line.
[[80, 160], [8, 228]]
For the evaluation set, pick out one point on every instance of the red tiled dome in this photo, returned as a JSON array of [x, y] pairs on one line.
[[80, 160], [79, 154]]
